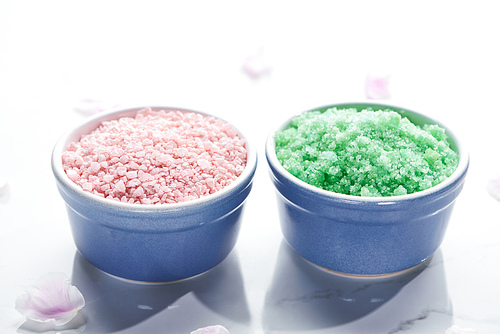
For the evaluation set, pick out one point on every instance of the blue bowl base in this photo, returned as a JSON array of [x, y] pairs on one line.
[[129, 280], [419, 267]]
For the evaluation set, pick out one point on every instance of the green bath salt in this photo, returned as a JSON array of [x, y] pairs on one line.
[[365, 153]]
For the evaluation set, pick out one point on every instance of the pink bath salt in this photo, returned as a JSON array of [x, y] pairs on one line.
[[88, 186], [95, 166], [107, 178], [72, 174], [78, 161], [134, 183], [146, 201], [131, 175], [182, 152], [121, 170], [203, 163], [144, 176], [157, 157], [120, 186], [124, 159]]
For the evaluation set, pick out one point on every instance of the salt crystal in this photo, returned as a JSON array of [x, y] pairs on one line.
[[162, 158], [373, 153], [181, 152], [139, 192], [133, 183], [147, 142], [95, 166], [79, 161], [159, 156], [88, 186], [131, 174], [121, 170], [72, 174], [133, 165], [94, 180], [108, 178], [171, 145], [120, 186], [124, 159], [117, 152]]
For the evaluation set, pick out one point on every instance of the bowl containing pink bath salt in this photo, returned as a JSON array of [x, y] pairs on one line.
[[154, 194]]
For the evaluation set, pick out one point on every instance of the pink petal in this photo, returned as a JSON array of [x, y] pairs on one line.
[[52, 299], [257, 65], [217, 329], [3, 185], [493, 188], [377, 87]]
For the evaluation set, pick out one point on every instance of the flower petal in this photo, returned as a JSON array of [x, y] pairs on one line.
[[52, 299], [217, 329], [377, 86], [3, 185], [257, 65], [493, 188]]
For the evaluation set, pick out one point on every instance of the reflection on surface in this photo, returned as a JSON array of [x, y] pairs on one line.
[[113, 304], [304, 297], [75, 326]]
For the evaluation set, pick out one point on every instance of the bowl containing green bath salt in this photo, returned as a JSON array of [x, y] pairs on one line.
[[364, 188]]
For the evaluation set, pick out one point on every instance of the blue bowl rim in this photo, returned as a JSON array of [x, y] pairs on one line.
[[459, 173], [92, 122]]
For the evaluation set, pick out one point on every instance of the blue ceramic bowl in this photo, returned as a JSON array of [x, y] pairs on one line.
[[152, 243], [365, 235]]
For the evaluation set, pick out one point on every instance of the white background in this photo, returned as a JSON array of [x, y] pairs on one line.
[[442, 58]]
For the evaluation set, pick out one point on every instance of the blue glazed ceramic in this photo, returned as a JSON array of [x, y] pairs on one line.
[[152, 243], [365, 235]]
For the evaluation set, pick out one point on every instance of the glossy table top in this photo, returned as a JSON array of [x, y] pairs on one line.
[[441, 61]]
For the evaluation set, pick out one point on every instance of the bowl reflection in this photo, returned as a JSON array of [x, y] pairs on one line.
[[304, 297], [114, 304]]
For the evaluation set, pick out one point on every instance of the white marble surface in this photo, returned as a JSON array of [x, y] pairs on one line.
[[442, 58]]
